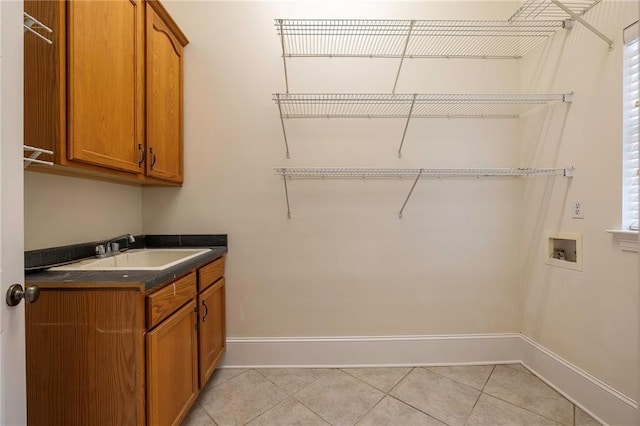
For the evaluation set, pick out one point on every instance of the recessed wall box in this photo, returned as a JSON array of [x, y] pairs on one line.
[[564, 249]]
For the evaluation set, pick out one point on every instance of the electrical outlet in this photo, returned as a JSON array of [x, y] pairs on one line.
[[577, 209]]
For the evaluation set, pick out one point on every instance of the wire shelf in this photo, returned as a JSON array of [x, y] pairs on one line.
[[360, 105], [407, 106], [547, 10], [31, 24], [289, 173], [411, 38], [35, 153], [531, 24], [322, 173]]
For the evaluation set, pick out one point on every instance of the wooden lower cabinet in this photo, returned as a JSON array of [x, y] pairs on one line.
[[102, 354], [172, 367], [212, 329], [85, 358]]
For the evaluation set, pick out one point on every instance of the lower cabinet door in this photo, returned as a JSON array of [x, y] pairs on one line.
[[212, 329], [172, 368]]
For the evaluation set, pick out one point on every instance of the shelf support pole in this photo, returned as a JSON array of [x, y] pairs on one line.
[[406, 126], [284, 57], [404, 51], [284, 132], [583, 22], [286, 192], [410, 192]]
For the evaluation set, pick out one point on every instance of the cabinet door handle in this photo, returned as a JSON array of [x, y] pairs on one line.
[[206, 311], [142, 155], [153, 158]]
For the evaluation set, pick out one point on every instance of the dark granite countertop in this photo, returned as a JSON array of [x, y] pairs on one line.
[[149, 279]]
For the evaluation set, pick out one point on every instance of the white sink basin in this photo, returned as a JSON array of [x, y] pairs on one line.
[[135, 260]]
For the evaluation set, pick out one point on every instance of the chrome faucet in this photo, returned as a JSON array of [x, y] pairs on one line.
[[111, 246]]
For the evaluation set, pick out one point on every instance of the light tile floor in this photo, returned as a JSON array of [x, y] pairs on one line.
[[489, 395]]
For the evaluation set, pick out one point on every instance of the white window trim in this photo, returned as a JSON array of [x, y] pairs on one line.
[[631, 165], [626, 240]]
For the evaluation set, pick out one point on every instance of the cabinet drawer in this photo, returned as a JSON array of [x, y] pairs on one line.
[[166, 301], [210, 273]]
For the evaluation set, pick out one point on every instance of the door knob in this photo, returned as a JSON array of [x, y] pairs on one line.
[[15, 293]]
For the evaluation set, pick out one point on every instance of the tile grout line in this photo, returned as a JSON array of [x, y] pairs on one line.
[[370, 410], [385, 393], [460, 383], [206, 412], [307, 385], [480, 394], [213, 387], [400, 381], [270, 408], [526, 409], [412, 406], [289, 396], [242, 371], [531, 411], [419, 410]]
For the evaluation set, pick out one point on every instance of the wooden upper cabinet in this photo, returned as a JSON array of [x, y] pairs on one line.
[[106, 83], [112, 73], [165, 44]]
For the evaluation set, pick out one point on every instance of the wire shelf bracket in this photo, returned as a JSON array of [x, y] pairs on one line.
[[288, 173], [408, 106], [31, 24], [35, 153], [568, 11]]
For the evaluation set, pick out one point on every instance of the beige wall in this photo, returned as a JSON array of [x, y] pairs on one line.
[[63, 210], [588, 317], [344, 264]]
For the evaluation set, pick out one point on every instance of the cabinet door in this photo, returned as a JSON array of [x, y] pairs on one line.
[[85, 358], [212, 329], [164, 100], [106, 83], [172, 368]]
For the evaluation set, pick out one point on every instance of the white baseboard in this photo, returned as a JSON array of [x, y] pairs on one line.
[[371, 351], [600, 400], [603, 402]]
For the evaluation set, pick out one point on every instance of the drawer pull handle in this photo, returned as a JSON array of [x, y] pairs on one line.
[[206, 311]]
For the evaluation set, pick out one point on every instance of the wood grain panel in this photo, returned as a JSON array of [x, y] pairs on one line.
[[164, 100], [44, 80], [172, 368], [167, 300], [84, 349], [106, 83], [210, 273], [211, 332]]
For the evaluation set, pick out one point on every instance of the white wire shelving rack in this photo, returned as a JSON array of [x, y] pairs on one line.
[[35, 153], [32, 25], [407, 106], [289, 173], [532, 23]]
